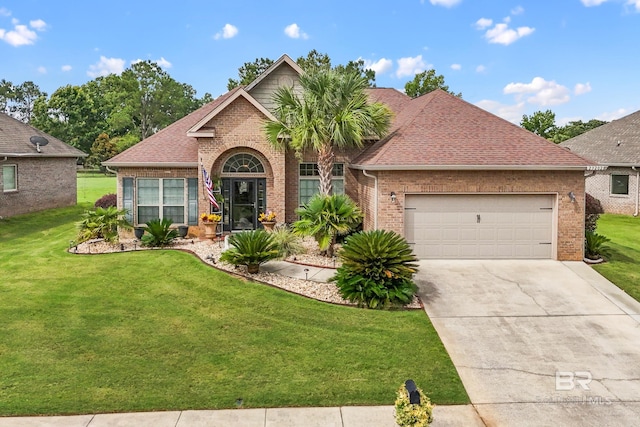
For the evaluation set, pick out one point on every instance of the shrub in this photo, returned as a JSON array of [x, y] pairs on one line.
[[377, 269], [592, 212], [102, 223], [326, 217], [413, 415], [595, 245], [106, 201], [158, 232], [287, 242], [250, 248]]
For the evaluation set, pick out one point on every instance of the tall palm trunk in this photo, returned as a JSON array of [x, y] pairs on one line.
[[325, 167]]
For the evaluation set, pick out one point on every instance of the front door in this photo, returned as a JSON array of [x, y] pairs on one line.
[[246, 199]]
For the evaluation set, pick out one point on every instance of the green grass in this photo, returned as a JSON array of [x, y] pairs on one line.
[[623, 267], [92, 186], [159, 330]]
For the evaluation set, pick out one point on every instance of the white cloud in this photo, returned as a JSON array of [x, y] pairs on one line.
[[481, 69], [445, 3], [295, 32], [582, 88], [542, 92], [227, 32], [456, 67], [410, 66], [512, 113], [518, 10], [19, 36], [66, 68], [381, 66], [42, 70], [565, 120], [106, 66], [613, 115], [38, 25], [483, 23], [635, 3], [590, 3], [502, 34], [163, 63], [4, 11]]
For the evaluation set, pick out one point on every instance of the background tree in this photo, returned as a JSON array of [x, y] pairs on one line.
[[101, 150], [314, 61], [18, 100], [425, 82], [333, 111], [249, 71], [575, 128], [541, 123]]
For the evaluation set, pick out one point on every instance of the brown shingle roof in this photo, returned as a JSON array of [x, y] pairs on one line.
[[615, 143], [439, 130], [395, 99], [171, 146], [15, 141]]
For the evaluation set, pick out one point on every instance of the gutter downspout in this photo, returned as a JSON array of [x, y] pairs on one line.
[[375, 197], [637, 189]]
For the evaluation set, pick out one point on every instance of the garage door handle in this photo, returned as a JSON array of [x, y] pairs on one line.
[[478, 218], [544, 243], [546, 209]]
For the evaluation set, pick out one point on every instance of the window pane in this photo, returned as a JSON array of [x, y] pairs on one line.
[[174, 213], [147, 213], [243, 163], [307, 189], [311, 169], [127, 198], [619, 184], [148, 192], [192, 196], [338, 169], [9, 177], [337, 186], [173, 192]]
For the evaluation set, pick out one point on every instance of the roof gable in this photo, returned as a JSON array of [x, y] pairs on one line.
[[284, 59], [15, 141], [614, 144], [200, 129], [441, 131]]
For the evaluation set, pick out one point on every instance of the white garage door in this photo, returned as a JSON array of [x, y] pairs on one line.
[[480, 226]]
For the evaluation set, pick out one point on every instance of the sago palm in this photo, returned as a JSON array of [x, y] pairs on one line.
[[331, 111]]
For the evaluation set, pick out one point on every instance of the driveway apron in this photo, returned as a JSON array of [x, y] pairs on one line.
[[537, 342]]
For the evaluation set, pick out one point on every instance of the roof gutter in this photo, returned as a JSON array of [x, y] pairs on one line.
[[375, 197], [474, 167], [183, 165], [75, 156]]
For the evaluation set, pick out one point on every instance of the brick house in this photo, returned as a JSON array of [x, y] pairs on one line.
[[616, 147], [455, 180], [37, 173]]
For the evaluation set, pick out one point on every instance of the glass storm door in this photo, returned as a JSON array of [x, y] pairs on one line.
[[244, 200]]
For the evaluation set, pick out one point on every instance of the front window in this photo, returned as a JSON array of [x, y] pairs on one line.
[[620, 184], [161, 198], [309, 182], [9, 177]]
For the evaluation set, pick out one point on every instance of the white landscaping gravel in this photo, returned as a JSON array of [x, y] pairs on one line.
[[209, 252]]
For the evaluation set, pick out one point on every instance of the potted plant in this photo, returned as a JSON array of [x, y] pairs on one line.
[[210, 222], [268, 220], [595, 247]]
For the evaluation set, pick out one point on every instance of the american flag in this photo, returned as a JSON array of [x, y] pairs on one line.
[[208, 185]]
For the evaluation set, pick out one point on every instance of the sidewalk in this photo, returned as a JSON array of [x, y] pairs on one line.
[[344, 416]]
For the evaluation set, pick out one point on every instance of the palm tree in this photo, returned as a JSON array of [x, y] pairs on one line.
[[331, 111]]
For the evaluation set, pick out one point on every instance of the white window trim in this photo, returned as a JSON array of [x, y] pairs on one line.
[[161, 205], [317, 178], [611, 185], [15, 178]]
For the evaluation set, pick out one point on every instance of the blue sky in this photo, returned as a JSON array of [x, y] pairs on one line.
[[579, 58]]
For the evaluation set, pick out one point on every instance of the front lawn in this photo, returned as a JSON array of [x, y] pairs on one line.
[[93, 185], [159, 330], [623, 267]]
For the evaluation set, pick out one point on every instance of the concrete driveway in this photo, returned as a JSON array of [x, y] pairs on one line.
[[537, 342]]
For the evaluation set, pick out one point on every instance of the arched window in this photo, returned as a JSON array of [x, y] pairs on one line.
[[243, 163]]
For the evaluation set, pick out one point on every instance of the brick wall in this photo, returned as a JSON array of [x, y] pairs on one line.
[[43, 183], [570, 215], [599, 186]]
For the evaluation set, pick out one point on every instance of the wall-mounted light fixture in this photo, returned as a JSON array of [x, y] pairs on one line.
[[572, 197], [393, 197]]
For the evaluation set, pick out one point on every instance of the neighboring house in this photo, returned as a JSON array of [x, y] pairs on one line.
[[38, 170], [615, 145], [455, 180]]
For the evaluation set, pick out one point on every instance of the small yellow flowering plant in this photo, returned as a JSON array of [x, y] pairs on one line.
[[414, 415], [267, 217], [210, 217]]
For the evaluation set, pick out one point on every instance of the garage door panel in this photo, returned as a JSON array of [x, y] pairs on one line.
[[480, 226]]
